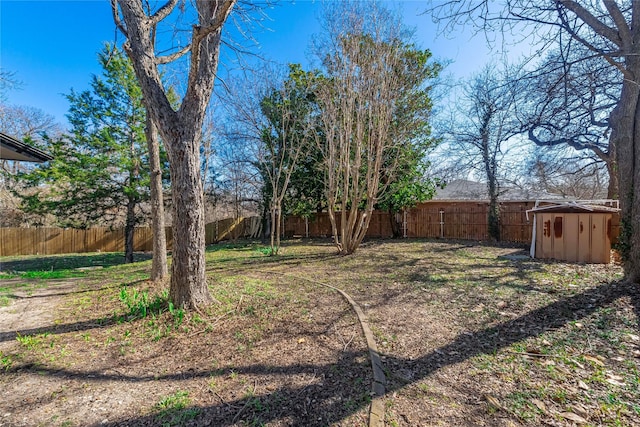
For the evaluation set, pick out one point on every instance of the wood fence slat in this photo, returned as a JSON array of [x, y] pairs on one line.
[[462, 220], [51, 240]]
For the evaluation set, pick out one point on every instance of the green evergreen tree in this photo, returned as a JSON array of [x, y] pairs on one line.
[[100, 170]]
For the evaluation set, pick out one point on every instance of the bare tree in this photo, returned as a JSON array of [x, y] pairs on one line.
[[567, 102], [369, 66], [610, 30], [159, 269], [289, 127], [22, 122], [572, 177], [8, 81], [482, 126], [27, 122], [271, 123], [243, 153], [180, 130]]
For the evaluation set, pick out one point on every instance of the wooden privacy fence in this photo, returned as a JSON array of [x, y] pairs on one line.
[[320, 225], [468, 221], [51, 241], [449, 220]]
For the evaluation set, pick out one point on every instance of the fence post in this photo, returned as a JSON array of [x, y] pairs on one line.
[[404, 223], [442, 223]]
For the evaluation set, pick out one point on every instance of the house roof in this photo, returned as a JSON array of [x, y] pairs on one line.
[[463, 189], [12, 149]]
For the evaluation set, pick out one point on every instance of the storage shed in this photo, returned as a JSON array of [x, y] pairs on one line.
[[573, 231]]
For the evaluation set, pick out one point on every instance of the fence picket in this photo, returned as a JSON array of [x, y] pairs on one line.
[[51, 241]]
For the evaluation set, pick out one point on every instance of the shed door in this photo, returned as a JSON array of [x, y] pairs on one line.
[[544, 235], [572, 250], [600, 243], [558, 227], [584, 237]]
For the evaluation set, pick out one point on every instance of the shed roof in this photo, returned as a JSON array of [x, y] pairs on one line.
[[12, 149], [576, 206]]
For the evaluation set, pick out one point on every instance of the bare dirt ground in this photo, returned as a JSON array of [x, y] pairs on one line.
[[470, 335]]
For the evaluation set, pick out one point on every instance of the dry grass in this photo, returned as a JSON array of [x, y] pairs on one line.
[[470, 336]]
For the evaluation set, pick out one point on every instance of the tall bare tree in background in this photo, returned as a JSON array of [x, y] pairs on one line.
[[566, 105], [483, 122], [574, 177], [289, 126], [180, 130], [608, 29], [24, 123], [8, 81], [369, 65]]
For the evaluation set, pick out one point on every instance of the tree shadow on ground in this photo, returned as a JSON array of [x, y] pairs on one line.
[[61, 329], [323, 402], [71, 261], [70, 288], [327, 397]]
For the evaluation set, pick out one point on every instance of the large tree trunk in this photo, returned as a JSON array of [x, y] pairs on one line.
[[613, 191], [159, 269], [611, 161], [180, 130], [274, 229], [493, 217], [266, 224], [353, 228], [626, 134], [396, 227], [188, 280], [129, 229]]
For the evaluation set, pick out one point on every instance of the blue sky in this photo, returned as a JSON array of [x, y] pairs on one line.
[[52, 45]]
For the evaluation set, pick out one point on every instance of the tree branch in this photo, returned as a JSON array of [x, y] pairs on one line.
[[172, 57], [116, 18], [594, 23], [621, 23], [163, 12]]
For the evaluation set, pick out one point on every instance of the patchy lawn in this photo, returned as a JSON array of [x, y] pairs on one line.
[[470, 335]]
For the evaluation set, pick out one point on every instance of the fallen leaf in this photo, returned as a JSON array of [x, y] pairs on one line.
[[301, 340], [583, 385], [573, 417], [493, 402], [573, 390], [532, 350], [578, 325], [580, 410], [593, 359], [614, 376], [477, 308], [540, 405], [634, 337], [615, 382]]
